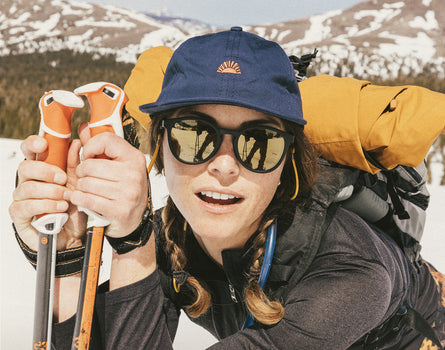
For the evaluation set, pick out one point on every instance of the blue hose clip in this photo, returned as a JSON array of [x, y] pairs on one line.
[[267, 263]]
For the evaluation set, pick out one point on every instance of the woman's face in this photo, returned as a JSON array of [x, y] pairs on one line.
[[222, 201]]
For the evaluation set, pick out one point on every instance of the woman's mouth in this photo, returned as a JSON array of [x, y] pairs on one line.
[[218, 198]]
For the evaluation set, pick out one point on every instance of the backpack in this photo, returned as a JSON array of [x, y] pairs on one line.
[[380, 137], [383, 134], [394, 201]]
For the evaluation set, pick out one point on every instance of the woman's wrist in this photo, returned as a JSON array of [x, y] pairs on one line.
[[138, 238], [66, 293], [133, 266], [69, 262]]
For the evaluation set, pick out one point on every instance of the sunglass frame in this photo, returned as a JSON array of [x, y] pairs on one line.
[[168, 124]]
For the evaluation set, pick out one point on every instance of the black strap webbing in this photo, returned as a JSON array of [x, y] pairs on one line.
[[417, 322], [399, 209]]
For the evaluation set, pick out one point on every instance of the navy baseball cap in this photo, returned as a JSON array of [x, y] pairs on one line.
[[231, 67]]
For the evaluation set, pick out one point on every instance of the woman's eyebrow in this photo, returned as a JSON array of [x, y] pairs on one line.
[[191, 112], [263, 121], [187, 109], [266, 120]]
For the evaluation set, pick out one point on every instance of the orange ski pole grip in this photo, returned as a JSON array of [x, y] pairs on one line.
[[107, 101], [56, 110]]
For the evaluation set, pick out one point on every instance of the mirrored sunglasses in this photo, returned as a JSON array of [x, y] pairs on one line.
[[194, 140]]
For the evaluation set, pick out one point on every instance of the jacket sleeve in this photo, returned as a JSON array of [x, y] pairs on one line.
[[137, 316], [330, 308]]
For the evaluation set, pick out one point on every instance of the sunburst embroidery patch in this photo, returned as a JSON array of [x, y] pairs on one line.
[[229, 67]]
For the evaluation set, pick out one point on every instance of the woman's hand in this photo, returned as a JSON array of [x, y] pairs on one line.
[[114, 186], [42, 189]]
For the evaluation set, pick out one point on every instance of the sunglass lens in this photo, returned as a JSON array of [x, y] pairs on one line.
[[261, 149], [192, 141]]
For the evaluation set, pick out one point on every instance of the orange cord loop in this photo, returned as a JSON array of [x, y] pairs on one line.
[[297, 183]]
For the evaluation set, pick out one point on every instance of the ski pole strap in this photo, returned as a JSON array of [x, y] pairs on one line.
[[138, 238], [68, 262]]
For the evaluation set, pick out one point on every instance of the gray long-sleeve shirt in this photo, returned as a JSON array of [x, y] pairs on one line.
[[357, 280]]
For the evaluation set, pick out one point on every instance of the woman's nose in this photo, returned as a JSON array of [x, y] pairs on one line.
[[224, 165]]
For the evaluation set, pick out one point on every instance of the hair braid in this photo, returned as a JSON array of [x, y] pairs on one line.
[[175, 241], [261, 308]]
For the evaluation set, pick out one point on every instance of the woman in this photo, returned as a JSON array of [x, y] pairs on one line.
[[334, 282]]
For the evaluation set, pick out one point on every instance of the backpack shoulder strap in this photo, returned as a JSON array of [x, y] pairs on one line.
[[405, 316], [418, 323]]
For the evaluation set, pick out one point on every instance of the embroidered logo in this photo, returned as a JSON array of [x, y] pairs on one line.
[[229, 67]]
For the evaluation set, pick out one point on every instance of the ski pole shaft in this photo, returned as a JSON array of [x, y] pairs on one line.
[[106, 101], [44, 291], [56, 109], [88, 288]]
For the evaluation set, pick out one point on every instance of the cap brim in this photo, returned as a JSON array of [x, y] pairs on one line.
[[155, 107]]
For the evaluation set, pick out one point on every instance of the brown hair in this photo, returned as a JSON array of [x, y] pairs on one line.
[[262, 309]]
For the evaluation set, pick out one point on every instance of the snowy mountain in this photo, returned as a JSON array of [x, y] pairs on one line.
[[28, 26], [374, 38], [189, 26]]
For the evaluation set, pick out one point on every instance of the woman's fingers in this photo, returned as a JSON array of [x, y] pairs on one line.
[[33, 198], [32, 146], [25, 210], [42, 189], [72, 163], [116, 187], [112, 199], [101, 187], [84, 133], [35, 170], [101, 169], [108, 145], [38, 190]]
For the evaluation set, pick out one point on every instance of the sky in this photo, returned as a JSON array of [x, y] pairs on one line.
[[236, 12]]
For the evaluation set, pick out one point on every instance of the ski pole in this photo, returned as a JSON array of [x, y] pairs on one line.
[[106, 102], [56, 109]]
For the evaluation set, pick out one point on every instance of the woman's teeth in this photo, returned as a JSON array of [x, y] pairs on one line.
[[218, 198], [217, 195]]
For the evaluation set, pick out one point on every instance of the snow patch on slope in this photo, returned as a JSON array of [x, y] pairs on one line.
[[428, 22], [421, 46]]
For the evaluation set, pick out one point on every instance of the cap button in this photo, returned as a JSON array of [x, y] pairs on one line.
[[236, 29]]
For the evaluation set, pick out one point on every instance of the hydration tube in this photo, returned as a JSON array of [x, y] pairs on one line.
[[265, 267]]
